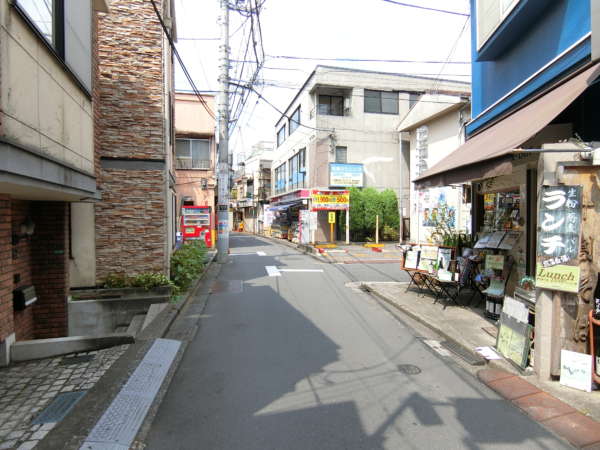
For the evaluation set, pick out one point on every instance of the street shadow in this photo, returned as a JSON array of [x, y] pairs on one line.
[[261, 375]]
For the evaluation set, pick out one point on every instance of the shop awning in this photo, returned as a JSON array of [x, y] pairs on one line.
[[489, 153]]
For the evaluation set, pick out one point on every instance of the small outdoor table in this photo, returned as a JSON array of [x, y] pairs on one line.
[[449, 290], [420, 279]]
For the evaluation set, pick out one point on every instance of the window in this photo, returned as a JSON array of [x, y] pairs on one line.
[[331, 105], [341, 155], [295, 120], [280, 179], [490, 15], [192, 153], [381, 102], [66, 26], [281, 136], [296, 170]]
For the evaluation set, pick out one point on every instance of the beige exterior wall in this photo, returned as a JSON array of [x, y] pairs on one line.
[[445, 134], [82, 265], [41, 105], [192, 120], [371, 139]]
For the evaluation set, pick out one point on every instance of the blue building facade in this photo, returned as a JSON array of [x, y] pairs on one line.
[[522, 47]]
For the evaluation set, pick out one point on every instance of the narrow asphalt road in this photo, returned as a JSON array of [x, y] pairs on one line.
[[303, 361]]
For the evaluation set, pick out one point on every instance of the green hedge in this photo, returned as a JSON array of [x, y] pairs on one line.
[[187, 263], [365, 205]]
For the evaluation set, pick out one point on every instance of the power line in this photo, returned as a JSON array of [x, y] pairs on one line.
[[456, 13], [183, 67], [307, 58]]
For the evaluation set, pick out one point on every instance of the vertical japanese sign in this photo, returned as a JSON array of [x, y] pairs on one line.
[[559, 229]]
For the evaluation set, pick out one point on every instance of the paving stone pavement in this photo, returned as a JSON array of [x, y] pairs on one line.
[[27, 388]]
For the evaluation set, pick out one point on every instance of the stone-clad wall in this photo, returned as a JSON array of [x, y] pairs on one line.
[[131, 218], [130, 82], [130, 106]]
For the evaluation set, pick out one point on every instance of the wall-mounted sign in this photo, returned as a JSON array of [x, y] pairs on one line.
[[558, 240], [345, 175], [330, 200]]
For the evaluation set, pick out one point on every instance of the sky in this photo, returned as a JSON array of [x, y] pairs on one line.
[[339, 29]]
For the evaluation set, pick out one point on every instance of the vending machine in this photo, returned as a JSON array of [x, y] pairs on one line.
[[196, 223]]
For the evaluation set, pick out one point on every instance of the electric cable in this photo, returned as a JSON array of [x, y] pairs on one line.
[[183, 67]]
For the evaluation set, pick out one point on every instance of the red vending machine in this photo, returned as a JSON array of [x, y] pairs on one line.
[[196, 223]]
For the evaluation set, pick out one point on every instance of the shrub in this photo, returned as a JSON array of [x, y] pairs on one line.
[[116, 281], [144, 280], [187, 263], [149, 280]]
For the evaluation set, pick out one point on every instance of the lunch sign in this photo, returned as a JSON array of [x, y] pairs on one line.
[[558, 239]]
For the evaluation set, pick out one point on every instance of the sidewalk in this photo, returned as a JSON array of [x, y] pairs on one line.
[[568, 412], [54, 403]]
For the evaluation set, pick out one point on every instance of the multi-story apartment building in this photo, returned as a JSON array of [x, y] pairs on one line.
[[196, 152], [340, 130], [252, 187], [47, 161]]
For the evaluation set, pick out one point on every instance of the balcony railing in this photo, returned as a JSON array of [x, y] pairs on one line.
[[189, 163]]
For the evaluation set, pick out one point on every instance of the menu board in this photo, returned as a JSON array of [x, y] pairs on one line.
[[510, 240], [513, 340], [483, 240], [495, 239], [494, 262], [443, 257], [411, 259]]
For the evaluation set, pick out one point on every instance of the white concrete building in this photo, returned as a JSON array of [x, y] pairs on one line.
[[348, 116], [252, 186], [435, 128]]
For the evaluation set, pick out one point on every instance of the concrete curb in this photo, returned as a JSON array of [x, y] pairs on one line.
[[74, 429], [438, 330]]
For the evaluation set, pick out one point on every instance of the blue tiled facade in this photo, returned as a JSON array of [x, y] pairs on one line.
[[538, 43]]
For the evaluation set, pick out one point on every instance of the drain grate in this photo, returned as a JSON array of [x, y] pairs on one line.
[[470, 357], [76, 360], [58, 408], [409, 369]]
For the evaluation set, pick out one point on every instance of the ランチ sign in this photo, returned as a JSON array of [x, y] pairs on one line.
[[559, 227], [345, 175], [330, 200]]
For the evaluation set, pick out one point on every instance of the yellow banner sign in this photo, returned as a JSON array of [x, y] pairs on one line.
[[330, 201], [558, 278]]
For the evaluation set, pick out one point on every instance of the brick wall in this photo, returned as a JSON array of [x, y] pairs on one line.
[[22, 267], [50, 268], [129, 112], [131, 217], [6, 279]]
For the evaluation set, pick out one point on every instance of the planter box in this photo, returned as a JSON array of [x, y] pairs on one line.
[[97, 312], [119, 293]]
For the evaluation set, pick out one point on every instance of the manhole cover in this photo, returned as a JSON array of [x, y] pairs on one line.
[[76, 360], [59, 407], [409, 369]]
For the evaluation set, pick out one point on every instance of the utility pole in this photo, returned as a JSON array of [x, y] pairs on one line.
[[223, 164]]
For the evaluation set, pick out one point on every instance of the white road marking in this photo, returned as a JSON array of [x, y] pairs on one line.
[[248, 254], [272, 271], [437, 347], [300, 270]]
